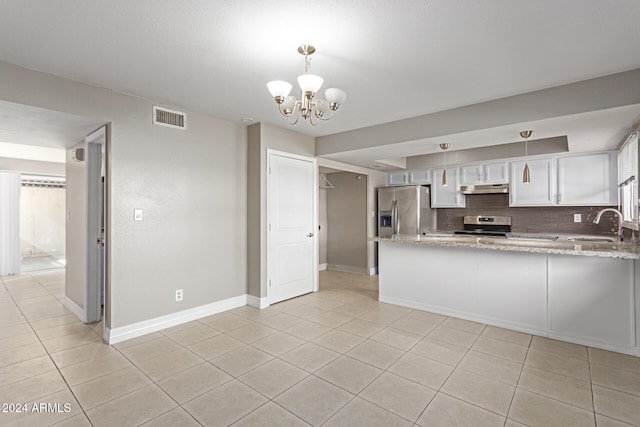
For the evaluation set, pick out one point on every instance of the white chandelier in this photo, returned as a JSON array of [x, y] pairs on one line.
[[309, 107]]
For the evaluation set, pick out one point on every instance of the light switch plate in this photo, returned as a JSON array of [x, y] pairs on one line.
[[137, 214], [577, 217]]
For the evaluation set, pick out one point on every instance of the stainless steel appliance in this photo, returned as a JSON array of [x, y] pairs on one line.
[[405, 210], [485, 189], [486, 225]]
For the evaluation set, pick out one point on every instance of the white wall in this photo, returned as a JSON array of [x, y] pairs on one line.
[[191, 185], [75, 228]]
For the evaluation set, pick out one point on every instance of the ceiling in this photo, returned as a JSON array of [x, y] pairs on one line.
[[396, 60]]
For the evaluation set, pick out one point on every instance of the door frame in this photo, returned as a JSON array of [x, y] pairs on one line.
[[96, 206], [314, 161]]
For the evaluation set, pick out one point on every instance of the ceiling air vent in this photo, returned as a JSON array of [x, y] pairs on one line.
[[169, 118]]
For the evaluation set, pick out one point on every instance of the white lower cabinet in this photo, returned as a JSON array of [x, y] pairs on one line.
[[423, 277], [506, 289], [511, 289], [637, 284], [581, 299], [591, 301]]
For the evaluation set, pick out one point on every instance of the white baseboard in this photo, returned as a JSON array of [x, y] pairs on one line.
[[347, 269], [134, 330], [373, 271], [590, 343], [73, 308], [257, 302], [508, 325], [462, 315], [322, 266]]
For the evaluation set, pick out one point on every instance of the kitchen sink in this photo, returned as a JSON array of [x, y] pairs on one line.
[[593, 239]]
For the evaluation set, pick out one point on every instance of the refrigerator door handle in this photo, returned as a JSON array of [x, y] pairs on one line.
[[394, 217]]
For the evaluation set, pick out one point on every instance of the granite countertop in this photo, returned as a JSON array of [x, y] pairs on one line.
[[567, 244]]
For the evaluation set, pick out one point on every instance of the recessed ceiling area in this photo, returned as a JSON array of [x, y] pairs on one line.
[[23, 124], [32, 133]]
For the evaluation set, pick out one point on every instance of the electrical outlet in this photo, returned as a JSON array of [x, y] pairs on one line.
[[137, 214], [179, 295], [577, 217]]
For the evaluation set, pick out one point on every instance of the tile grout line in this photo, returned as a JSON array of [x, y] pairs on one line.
[[57, 368], [515, 390]]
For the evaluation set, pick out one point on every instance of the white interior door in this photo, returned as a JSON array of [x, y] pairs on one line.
[[292, 244], [94, 146]]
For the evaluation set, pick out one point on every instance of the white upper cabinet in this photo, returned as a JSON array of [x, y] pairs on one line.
[[449, 196], [496, 173], [541, 191], [472, 174], [489, 173], [397, 178], [587, 180], [420, 177]]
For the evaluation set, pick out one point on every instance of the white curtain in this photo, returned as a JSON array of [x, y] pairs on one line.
[[9, 223]]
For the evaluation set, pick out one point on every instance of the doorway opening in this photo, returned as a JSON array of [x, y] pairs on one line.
[[343, 221], [42, 222]]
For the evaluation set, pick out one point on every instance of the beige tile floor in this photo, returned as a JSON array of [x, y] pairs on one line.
[[334, 358]]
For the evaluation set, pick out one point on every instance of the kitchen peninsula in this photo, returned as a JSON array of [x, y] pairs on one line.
[[572, 289]]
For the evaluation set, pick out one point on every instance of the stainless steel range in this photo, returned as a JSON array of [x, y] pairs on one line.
[[486, 225]]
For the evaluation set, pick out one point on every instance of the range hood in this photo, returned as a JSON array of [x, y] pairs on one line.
[[485, 189]]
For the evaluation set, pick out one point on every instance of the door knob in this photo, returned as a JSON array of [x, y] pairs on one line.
[[310, 235]]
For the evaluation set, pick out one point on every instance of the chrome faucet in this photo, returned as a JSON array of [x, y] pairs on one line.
[[617, 212]]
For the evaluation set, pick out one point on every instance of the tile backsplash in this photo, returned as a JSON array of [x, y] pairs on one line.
[[552, 219]]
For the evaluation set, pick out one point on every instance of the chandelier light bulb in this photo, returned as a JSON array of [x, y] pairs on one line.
[[310, 83], [278, 88], [335, 96]]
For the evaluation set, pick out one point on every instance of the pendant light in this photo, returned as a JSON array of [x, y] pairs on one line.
[[444, 146], [526, 175]]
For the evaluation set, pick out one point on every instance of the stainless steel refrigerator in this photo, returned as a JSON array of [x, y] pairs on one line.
[[405, 210]]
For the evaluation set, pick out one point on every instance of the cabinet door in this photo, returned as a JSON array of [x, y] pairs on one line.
[[490, 173], [591, 300], [449, 196], [397, 178], [523, 306], [496, 173], [472, 174], [541, 191], [586, 180], [420, 177]]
